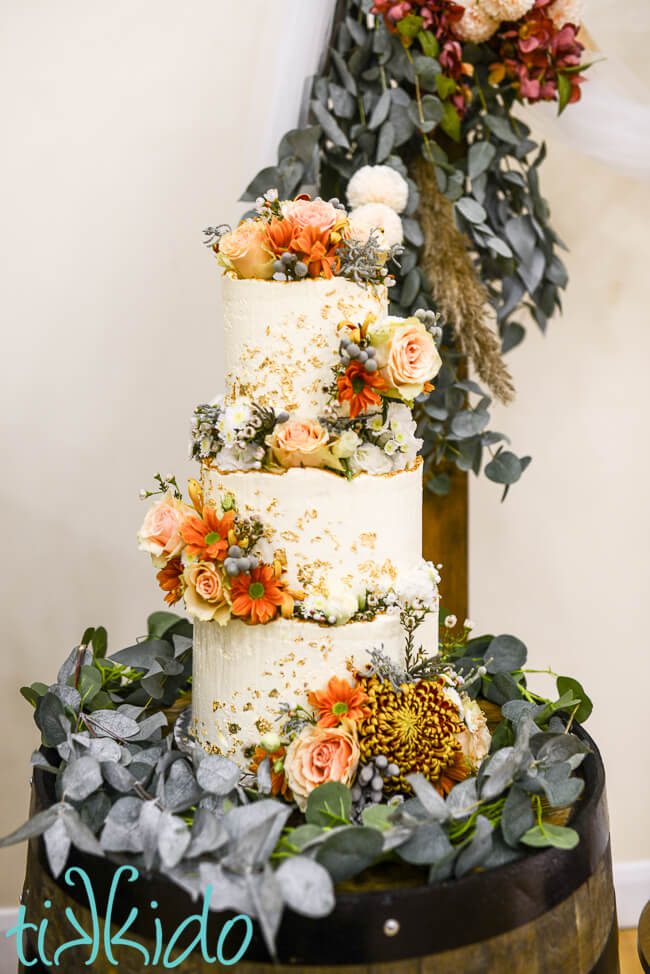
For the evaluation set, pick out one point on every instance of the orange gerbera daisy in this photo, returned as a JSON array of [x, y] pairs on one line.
[[315, 251], [279, 234], [338, 701], [207, 537], [170, 580], [257, 595], [359, 388], [279, 784]]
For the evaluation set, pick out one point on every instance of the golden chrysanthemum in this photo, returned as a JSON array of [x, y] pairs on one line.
[[415, 728]]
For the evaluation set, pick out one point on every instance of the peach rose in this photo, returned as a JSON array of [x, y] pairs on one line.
[[205, 596], [475, 738], [406, 355], [300, 443], [245, 251], [160, 531], [313, 213], [321, 754]]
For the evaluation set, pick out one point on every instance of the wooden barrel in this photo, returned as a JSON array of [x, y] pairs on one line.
[[549, 913]]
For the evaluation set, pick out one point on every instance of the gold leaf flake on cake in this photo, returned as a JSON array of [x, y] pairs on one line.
[[290, 536], [262, 725], [368, 539], [274, 693], [247, 706]]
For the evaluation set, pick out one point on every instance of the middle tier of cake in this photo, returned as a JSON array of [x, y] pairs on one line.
[[329, 531]]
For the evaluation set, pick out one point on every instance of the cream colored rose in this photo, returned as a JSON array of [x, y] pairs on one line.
[[300, 443], [475, 740], [159, 534], [245, 251], [321, 754], [312, 213], [406, 355], [345, 445], [205, 595]]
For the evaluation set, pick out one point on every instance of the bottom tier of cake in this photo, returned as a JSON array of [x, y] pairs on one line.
[[243, 674]]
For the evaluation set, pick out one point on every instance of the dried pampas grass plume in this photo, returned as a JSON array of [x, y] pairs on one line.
[[456, 289]]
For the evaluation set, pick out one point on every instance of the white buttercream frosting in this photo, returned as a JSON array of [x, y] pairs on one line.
[[331, 530], [281, 340]]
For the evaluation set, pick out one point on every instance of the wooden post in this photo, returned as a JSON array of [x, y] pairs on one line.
[[444, 540]]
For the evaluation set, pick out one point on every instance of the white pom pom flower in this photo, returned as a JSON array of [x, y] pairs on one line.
[[506, 9], [564, 12], [378, 184], [376, 216], [478, 24]]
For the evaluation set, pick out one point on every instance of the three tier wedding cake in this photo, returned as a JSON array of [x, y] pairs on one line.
[[300, 556]]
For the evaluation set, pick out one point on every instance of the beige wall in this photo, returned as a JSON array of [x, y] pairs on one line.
[[128, 128]]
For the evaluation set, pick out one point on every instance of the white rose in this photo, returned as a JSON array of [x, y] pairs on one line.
[[239, 458], [371, 459], [345, 445]]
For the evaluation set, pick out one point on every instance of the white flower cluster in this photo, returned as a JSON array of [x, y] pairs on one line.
[[336, 608], [394, 444], [378, 194], [564, 12], [418, 589], [478, 23], [233, 427]]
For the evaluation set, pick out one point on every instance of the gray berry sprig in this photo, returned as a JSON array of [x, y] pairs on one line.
[[361, 351], [289, 268], [237, 562], [368, 789], [430, 320]]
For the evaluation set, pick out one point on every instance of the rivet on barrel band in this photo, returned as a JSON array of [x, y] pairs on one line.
[[391, 927]]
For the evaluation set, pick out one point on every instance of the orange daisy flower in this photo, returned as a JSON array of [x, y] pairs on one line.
[[279, 234], [359, 388], [207, 537], [257, 595], [315, 251], [170, 580], [279, 784], [339, 700]]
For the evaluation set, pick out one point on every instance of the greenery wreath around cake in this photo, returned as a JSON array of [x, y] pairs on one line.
[[448, 765]]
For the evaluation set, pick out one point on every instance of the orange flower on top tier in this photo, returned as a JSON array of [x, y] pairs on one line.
[[315, 250], [207, 537], [257, 595], [360, 388], [339, 701]]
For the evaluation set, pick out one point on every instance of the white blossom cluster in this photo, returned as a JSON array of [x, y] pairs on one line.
[[226, 437], [393, 444], [418, 589], [336, 608]]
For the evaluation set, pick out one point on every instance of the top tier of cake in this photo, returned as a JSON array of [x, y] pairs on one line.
[[281, 340]]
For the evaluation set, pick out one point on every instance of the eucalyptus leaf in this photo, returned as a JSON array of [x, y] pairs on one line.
[[173, 839], [150, 816], [329, 804], [112, 724], [551, 835], [217, 774], [181, 788], [566, 684], [470, 209], [349, 851], [478, 850], [51, 720], [208, 834], [34, 826], [81, 778], [81, 835], [57, 846], [505, 653], [431, 801], [517, 817], [306, 886], [121, 832], [479, 158], [427, 844], [330, 126]]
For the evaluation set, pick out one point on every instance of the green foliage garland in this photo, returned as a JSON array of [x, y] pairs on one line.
[[383, 98]]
